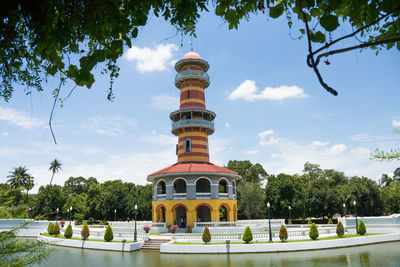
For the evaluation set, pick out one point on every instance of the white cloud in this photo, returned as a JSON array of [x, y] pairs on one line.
[[160, 139], [227, 125], [396, 123], [151, 59], [319, 143], [251, 152], [336, 149], [20, 119], [111, 126], [249, 91], [263, 136], [5, 133], [165, 102]]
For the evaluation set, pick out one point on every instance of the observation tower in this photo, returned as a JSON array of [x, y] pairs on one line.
[[193, 191]]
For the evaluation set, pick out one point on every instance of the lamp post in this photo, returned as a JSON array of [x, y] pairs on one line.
[[70, 210], [290, 214], [115, 215], [355, 212], [57, 215], [29, 212], [269, 221], [135, 235], [344, 209]]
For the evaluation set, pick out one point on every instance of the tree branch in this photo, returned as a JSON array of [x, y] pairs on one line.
[[310, 57], [356, 47], [52, 112], [354, 33]]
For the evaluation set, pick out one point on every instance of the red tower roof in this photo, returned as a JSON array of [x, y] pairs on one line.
[[192, 168]]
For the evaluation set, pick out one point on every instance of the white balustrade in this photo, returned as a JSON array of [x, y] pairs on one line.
[[203, 195], [179, 196]]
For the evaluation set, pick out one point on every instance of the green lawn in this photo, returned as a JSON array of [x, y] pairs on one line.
[[289, 241], [76, 238]]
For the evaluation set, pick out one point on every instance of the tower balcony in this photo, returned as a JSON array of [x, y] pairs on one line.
[[192, 74], [176, 125]]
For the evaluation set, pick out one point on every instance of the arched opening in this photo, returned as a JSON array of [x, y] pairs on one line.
[[223, 214], [180, 216], [203, 214], [223, 186], [161, 187], [203, 185], [179, 186], [161, 214]]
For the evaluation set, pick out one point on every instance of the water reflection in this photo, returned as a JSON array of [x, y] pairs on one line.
[[372, 255]]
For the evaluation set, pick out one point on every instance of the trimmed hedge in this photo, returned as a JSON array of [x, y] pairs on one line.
[[309, 221], [330, 221], [361, 230], [50, 228], [68, 231], [56, 229], [313, 234], [247, 235], [85, 231], [206, 235], [283, 235], [108, 235], [339, 229]]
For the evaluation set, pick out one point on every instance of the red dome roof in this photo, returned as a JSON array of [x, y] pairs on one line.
[[191, 54], [193, 167]]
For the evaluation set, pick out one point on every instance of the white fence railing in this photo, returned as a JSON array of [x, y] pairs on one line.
[[179, 196], [223, 195], [203, 195]]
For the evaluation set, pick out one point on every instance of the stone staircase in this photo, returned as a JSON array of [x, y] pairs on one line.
[[154, 244]]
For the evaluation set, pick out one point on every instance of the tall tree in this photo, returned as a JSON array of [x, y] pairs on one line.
[[17, 178], [55, 166], [29, 183]]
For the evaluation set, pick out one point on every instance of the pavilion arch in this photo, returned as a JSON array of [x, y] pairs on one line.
[[179, 204], [203, 185], [161, 187], [160, 213], [224, 212], [179, 185], [223, 184], [179, 214], [203, 212]]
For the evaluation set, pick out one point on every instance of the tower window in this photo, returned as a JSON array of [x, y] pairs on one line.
[[187, 145], [188, 94]]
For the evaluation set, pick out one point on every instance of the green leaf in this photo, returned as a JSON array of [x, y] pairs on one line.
[[135, 32], [276, 11], [316, 12], [335, 4], [317, 37], [329, 22]]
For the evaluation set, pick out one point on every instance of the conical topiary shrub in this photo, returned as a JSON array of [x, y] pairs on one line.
[[56, 229], [330, 221], [283, 235], [206, 235], [361, 230], [339, 229], [49, 227], [313, 234], [247, 235], [108, 235], [68, 231], [309, 221], [85, 231]]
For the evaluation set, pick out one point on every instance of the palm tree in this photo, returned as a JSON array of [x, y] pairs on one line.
[[17, 179], [28, 185], [55, 166]]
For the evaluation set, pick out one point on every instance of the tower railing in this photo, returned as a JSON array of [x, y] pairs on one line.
[[192, 122], [192, 74], [203, 195]]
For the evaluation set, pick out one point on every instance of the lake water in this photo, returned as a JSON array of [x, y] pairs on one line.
[[372, 255]]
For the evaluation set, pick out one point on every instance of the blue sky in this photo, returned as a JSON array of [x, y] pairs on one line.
[[270, 108]]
